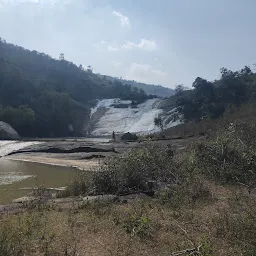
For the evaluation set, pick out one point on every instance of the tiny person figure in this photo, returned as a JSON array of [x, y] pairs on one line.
[[113, 136]]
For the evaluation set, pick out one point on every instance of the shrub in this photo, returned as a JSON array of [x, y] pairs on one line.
[[139, 170], [78, 186], [137, 225], [189, 192], [230, 156]]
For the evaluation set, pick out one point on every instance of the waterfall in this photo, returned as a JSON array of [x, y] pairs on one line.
[[120, 116]]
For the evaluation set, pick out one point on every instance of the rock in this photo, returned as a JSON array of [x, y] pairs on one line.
[[65, 147], [7, 132], [70, 199], [24, 199], [129, 137]]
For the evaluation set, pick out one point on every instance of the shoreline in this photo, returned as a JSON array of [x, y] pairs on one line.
[[78, 154], [82, 165]]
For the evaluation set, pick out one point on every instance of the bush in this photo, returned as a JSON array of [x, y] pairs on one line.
[[230, 157], [77, 187], [139, 170], [137, 225], [147, 170], [189, 192]]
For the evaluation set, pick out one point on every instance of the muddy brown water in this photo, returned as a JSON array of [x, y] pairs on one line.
[[17, 177]]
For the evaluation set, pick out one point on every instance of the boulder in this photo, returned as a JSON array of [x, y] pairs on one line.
[[7, 132], [129, 137]]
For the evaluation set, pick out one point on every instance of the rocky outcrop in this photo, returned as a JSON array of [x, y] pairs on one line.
[[65, 148], [7, 132]]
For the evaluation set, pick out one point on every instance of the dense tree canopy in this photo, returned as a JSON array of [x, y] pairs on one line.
[[150, 89], [42, 96], [210, 99]]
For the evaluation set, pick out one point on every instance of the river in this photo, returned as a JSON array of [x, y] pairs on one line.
[[16, 177]]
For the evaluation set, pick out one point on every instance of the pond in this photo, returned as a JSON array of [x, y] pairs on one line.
[[16, 177]]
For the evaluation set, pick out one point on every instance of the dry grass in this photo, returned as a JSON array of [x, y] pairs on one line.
[[143, 227]]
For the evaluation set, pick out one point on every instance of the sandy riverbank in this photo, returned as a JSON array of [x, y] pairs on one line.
[[77, 154], [78, 164]]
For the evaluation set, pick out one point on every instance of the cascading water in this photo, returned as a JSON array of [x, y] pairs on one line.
[[121, 117]]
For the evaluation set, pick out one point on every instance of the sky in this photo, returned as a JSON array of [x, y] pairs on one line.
[[167, 42]]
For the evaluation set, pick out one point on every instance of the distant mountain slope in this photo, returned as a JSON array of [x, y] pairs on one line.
[[149, 89]]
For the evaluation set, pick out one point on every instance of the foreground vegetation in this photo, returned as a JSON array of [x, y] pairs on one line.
[[143, 227], [200, 200]]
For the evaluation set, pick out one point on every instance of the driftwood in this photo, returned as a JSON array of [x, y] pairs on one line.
[[193, 251]]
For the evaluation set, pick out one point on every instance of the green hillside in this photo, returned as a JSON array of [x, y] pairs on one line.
[[44, 97], [150, 89]]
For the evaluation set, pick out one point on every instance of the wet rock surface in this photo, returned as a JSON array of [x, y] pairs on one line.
[[79, 150], [65, 147]]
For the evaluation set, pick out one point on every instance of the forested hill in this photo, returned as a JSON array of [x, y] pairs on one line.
[[41, 96], [149, 89]]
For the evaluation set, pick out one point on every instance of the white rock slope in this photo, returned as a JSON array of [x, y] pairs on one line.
[[138, 120]]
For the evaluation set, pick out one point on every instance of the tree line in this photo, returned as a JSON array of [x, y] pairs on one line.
[[208, 100]]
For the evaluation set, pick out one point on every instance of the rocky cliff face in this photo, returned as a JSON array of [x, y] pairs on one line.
[[7, 132]]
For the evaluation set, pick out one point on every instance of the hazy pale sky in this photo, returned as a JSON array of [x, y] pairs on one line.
[[166, 42]]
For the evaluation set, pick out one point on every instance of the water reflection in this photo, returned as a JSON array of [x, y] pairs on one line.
[[15, 175]]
